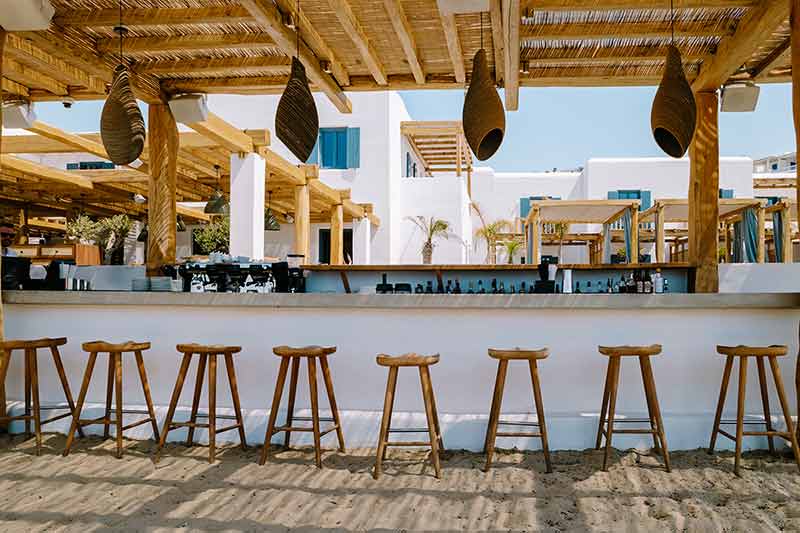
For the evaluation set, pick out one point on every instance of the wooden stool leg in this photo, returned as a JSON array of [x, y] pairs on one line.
[[148, 400], [118, 387], [173, 404], [76, 415], [5, 360], [292, 394], [388, 404], [198, 390], [740, 413], [237, 408], [27, 395], [425, 380], [612, 404], [212, 407], [604, 407], [435, 413], [109, 395], [776, 374], [494, 416], [492, 410], [649, 399], [723, 391], [62, 376], [537, 397], [762, 381], [650, 389], [37, 413], [273, 412], [312, 387], [326, 375]]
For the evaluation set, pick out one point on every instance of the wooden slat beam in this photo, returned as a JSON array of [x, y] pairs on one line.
[[352, 27], [72, 140], [405, 33], [613, 5], [162, 138], [795, 36], [33, 78], [268, 16], [224, 134], [511, 30], [498, 41], [44, 172], [232, 14], [337, 235], [734, 50], [276, 165], [302, 222], [278, 65], [453, 45], [189, 43], [779, 57], [622, 30]]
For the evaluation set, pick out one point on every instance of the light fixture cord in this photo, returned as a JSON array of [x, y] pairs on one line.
[[121, 34], [297, 27], [672, 20], [481, 15]]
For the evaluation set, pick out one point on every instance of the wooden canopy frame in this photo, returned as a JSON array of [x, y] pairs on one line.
[[440, 146]]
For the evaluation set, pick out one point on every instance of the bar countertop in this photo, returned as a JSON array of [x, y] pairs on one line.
[[410, 301]]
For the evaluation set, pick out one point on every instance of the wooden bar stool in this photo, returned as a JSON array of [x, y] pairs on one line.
[[759, 353], [33, 409], [311, 354], [606, 426], [207, 355], [115, 352], [503, 357], [422, 362]]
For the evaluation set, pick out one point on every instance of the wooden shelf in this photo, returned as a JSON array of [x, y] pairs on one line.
[[434, 268]]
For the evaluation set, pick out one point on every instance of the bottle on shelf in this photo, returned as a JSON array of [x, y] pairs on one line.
[[589, 287], [502, 289], [666, 285], [577, 287], [494, 285], [531, 289], [609, 286], [457, 288], [471, 288], [449, 288], [481, 289], [429, 288], [648, 283], [630, 285], [639, 283], [522, 289], [512, 288], [658, 282], [419, 289]]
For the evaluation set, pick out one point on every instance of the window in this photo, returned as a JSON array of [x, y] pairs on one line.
[[324, 256], [726, 193], [774, 166], [632, 194], [91, 165], [337, 148]]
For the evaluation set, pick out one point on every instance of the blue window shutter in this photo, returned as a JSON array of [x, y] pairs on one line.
[[353, 147], [524, 206], [726, 193], [327, 139], [646, 201], [613, 195], [313, 159], [341, 148]]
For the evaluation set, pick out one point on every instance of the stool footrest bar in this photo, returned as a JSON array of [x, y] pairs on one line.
[[176, 425], [222, 417], [521, 434], [408, 430], [733, 422], [228, 428], [137, 423], [512, 423], [408, 443], [309, 419]]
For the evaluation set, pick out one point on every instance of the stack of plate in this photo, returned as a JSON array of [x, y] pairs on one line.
[[161, 284], [140, 284]]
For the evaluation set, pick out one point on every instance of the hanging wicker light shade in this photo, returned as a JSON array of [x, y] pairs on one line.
[[121, 123], [296, 120], [673, 115], [483, 117]]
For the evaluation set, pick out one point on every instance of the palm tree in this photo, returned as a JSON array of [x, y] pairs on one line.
[[512, 247], [561, 229], [489, 232], [432, 228]]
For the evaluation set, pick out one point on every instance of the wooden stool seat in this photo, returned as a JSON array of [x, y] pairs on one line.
[[422, 362], [207, 356], [114, 383], [503, 357], [409, 359], [293, 355], [630, 351], [606, 426], [33, 409], [305, 351], [771, 353], [516, 354]]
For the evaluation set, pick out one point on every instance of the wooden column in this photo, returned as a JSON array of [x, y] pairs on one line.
[[162, 139], [459, 155], [795, 54], [660, 238], [728, 243], [704, 194], [302, 221], [536, 237], [337, 235], [634, 259], [761, 253], [4, 427], [786, 242]]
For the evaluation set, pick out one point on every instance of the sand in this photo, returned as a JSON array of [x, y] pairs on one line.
[[91, 490]]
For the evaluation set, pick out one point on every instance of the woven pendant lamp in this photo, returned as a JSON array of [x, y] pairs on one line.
[[483, 116], [121, 123], [673, 116], [296, 120]]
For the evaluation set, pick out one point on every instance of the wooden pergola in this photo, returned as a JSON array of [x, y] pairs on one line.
[[440, 146]]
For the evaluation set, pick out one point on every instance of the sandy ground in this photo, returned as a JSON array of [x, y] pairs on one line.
[[92, 491]]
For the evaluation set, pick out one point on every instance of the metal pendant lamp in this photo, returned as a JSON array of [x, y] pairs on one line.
[[217, 205], [122, 128], [674, 113], [296, 119], [270, 220], [483, 116]]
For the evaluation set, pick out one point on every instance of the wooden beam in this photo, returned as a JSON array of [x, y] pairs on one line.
[[613, 5], [536, 236], [162, 138], [779, 57], [405, 34], [704, 194], [620, 30], [272, 65], [32, 78], [511, 21], [352, 27], [189, 43], [453, 45], [268, 16], [761, 236], [13, 87], [634, 260], [498, 40], [786, 241], [660, 238], [232, 14], [337, 235], [43, 172], [795, 36], [3, 36], [302, 222], [276, 165], [733, 51], [70, 139], [224, 134]]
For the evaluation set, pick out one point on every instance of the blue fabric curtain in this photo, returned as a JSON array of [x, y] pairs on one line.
[[606, 244], [738, 242], [530, 245], [750, 235], [777, 232], [626, 226]]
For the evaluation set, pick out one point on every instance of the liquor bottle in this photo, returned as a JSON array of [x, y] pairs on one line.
[[418, 289], [622, 284], [494, 285], [502, 289], [470, 288], [648, 283], [666, 285], [449, 288], [658, 282], [558, 288], [481, 290], [609, 288], [440, 288], [531, 289], [639, 283], [429, 288], [457, 288], [630, 285], [589, 287], [512, 289], [522, 289], [577, 287]]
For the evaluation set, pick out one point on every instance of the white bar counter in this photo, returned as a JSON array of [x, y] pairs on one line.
[[459, 327]]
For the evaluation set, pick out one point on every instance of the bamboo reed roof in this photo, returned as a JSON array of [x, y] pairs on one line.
[[244, 46], [440, 145], [579, 211]]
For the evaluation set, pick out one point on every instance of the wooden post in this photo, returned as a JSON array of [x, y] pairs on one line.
[[660, 238], [762, 235], [795, 54], [788, 247], [302, 222], [537, 237], [163, 146], [337, 235], [704, 194], [634, 259], [4, 427], [469, 183], [728, 242], [459, 154]]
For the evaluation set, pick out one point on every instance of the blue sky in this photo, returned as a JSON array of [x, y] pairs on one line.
[[562, 128]]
